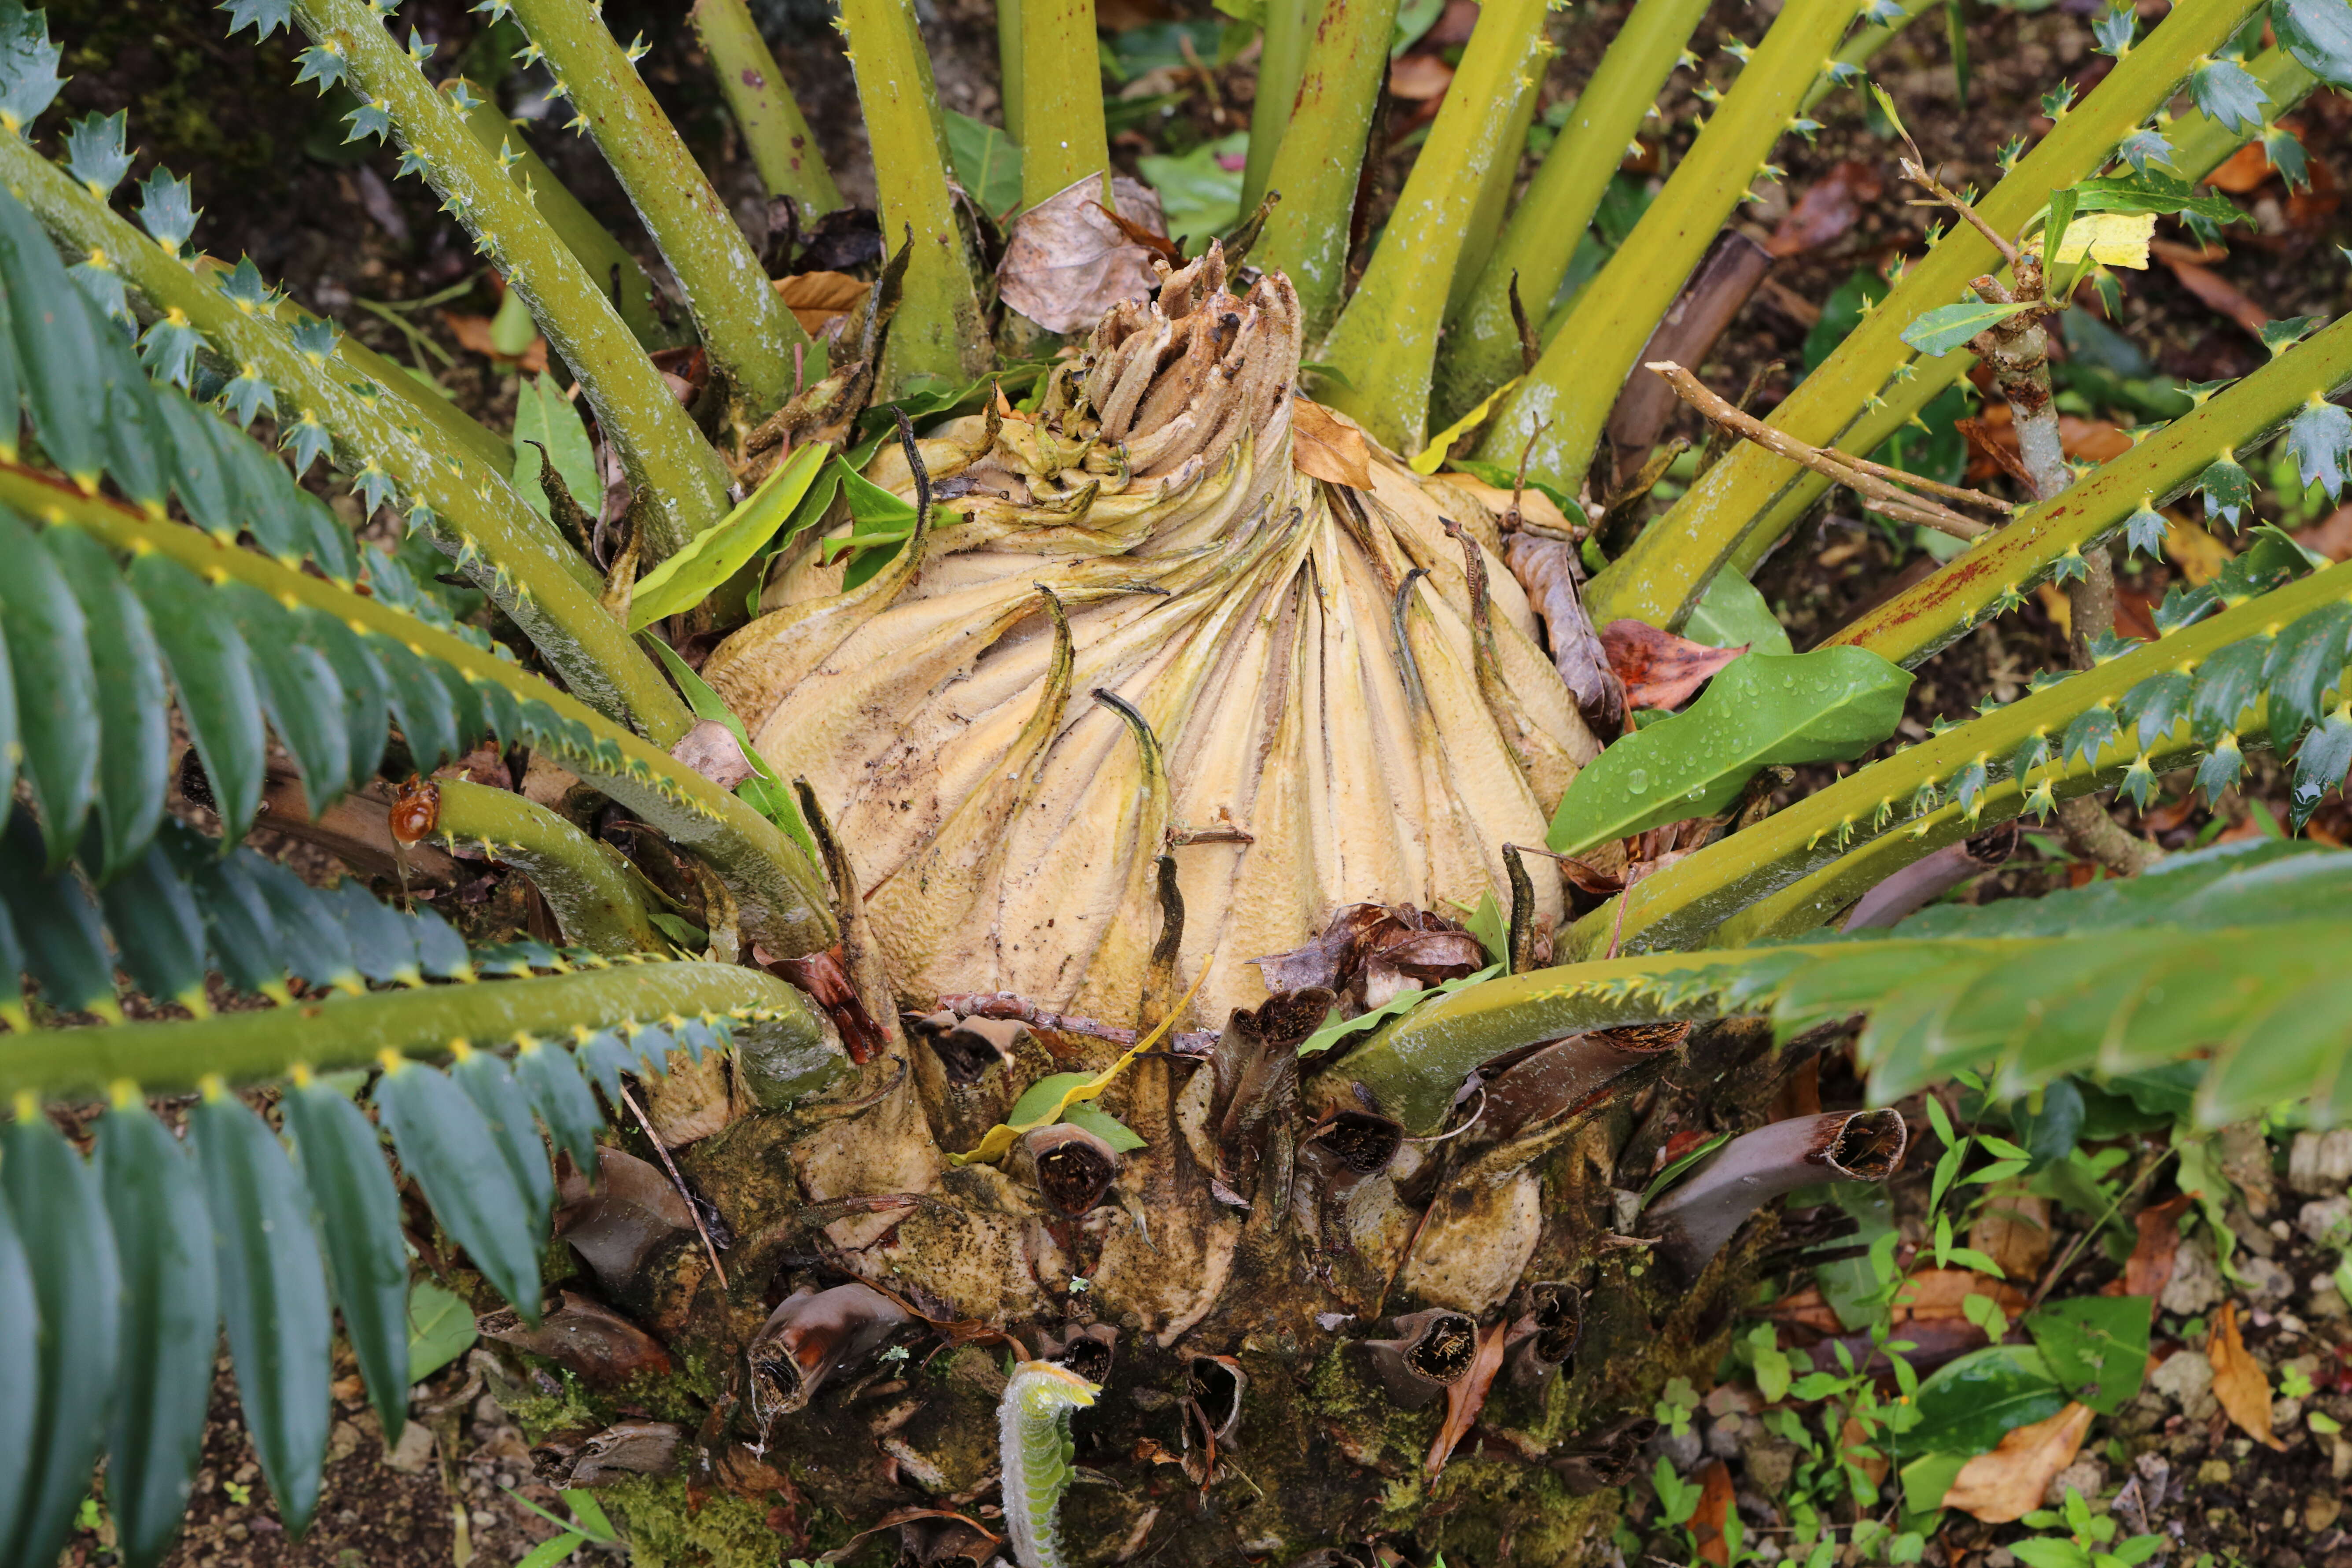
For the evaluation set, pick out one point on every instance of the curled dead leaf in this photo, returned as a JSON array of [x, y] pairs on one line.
[[1328, 448], [1067, 262], [1715, 1500], [2009, 1482], [1466, 1396], [1418, 77], [817, 299], [473, 335], [1658, 669], [2238, 1381], [2149, 1268]]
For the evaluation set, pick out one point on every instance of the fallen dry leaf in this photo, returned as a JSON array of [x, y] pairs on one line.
[[1419, 77], [817, 299], [1827, 209], [2238, 1381], [2331, 536], [1547, 569], [1066, 262], [1465, 1398], [1933, 1294], [2013, 1230], [2242, 171], [2199, 555], [2149, 1268], [1715, 1500], [473, 335], [1325, 447], [2009, 1482], [2215, 292], [1660, 669], [1852, 1440]]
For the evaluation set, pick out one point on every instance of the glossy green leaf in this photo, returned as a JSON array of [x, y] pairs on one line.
[[20, 1372], [2096, 1346], [199, 476], [299, 692], [273, 1295], [139, 454], [2151, 192], [987, 162], [1950, 327], [544, 415], [52, 328], [1825, 706], [171, 1328], [506, 1107], [56, 687], [716, 554], [133, 700], [358, 1212], [428, 721], [1965, 1406], [441, 953], [367, 693], [212, 671], [440, 1329], [1337, 1029], [77, 1284], [158, 927], [455, 1157], [1732, 613], [65, 943], [2318, 35], [562, 1098]]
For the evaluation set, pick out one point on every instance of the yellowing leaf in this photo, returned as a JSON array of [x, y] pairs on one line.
[[2111, 240], [716, 553], [1068, 1090], [1431, 458]]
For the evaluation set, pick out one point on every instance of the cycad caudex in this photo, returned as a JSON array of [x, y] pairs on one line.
[[1325, 724]]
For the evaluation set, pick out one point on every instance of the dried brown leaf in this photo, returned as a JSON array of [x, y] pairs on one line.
[[2009, 1482], [2013, 1230], [1066, 262], [1418, 77], [1547, 569], [1714, 1499], [1466, 1395], [2238, 1381], [1827, 209], [1658, 669], [1325, 447], [818, 298], [2241, 170], [2149, 1268], [473, 335]]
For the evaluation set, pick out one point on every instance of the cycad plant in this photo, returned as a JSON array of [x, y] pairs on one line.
[[1092, 936]]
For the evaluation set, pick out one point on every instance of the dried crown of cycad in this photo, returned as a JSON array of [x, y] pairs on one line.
[[1003, 824]]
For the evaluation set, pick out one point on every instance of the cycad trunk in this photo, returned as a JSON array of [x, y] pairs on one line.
[[1268, 1378]]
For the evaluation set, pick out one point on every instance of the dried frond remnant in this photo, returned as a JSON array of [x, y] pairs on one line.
[[1314, 719]]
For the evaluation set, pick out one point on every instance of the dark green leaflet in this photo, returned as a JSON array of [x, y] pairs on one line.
[[358, 1220], [20, 1372], [507, 1108], [133, 701], [562, 1098], [158, 927], [65, 943], [298, 689], [273, 1294], [50, 326], [455, 1157], [56, 689], [171, 1325], [77, 1284], [212, 672]]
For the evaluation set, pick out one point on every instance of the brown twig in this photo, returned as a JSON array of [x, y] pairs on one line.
[[709, 1250], [1854, 475], [1917, 174]]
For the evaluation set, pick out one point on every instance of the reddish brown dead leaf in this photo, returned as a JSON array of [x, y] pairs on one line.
[[1852, 1443], [2331, 536], [2149, 1268], [1417, 77], [2013, 1230], [816, 299], [2242, 171], [473, 335], [1066, 262], [1465, 1398], [1930, 1296], [2238, 1381], [1325, 447], [1547, 569], [585, 1336], [1714, 1507], [2215, 292], [2009, 1482], [1658, 669], [1827, 209], [1158, 244]]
